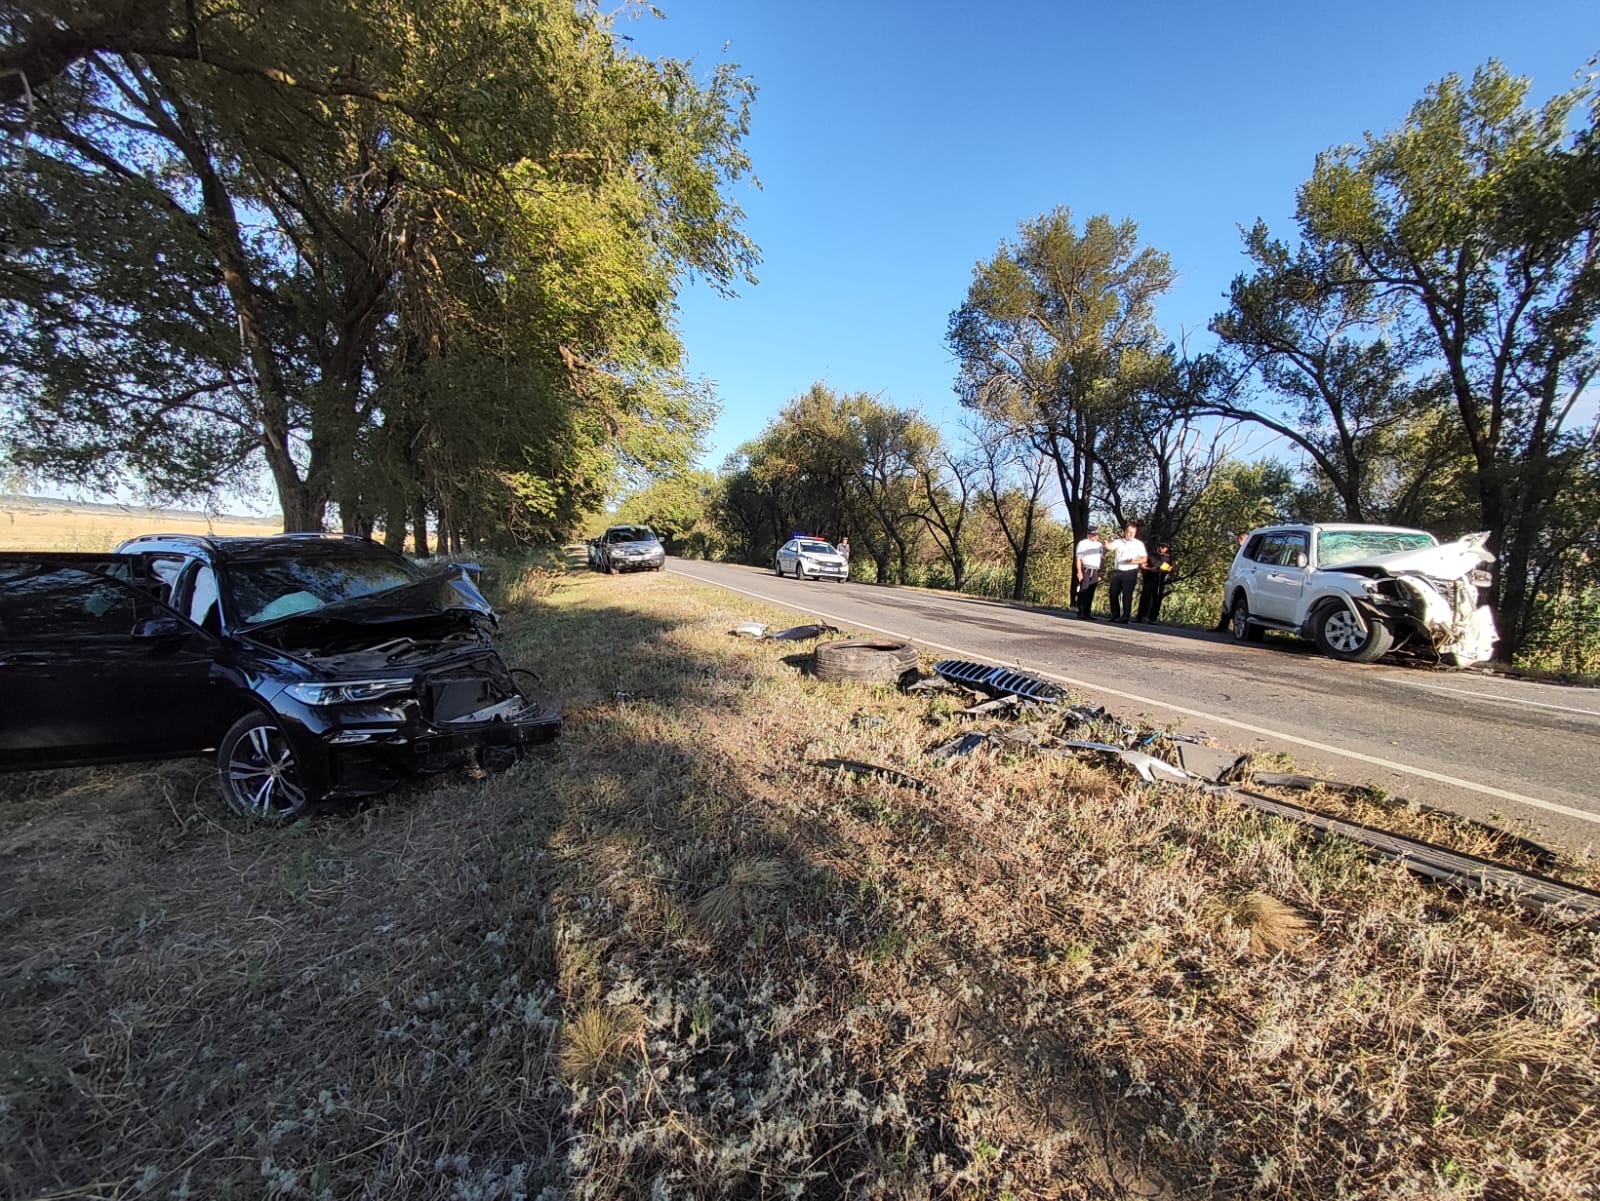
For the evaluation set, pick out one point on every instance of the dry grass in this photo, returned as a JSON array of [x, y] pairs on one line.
[[672, 959], [78, 528]]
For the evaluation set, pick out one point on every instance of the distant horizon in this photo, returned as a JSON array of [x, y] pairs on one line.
[[30, 500]]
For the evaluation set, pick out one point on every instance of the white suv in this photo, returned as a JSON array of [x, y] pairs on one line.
[[1361, 590]]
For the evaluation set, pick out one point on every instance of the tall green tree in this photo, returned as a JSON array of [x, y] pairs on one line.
[[1336, 381], [1481, 216], [1058, 335], [293, 233], [832, 464]]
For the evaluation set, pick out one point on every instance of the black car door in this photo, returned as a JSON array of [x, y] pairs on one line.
[[93, 668]]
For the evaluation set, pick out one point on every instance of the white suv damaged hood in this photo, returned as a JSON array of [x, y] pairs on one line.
[[1452, 561], [1439, 579]]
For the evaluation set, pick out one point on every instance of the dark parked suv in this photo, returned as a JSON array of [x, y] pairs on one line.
[[316, 667]]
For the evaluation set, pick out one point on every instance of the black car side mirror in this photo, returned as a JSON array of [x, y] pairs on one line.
[[160, 627]]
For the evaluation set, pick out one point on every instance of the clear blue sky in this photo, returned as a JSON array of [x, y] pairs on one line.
[[898, 143]]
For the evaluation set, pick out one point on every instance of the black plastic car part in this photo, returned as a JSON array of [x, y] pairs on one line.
[[998, 681]]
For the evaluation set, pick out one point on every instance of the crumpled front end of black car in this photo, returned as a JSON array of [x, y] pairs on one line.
[[471, 710]]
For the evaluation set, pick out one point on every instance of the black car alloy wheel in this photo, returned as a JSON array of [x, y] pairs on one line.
[[260, 778]]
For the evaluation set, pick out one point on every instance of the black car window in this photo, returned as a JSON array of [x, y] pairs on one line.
[[49, 601], [267, 589], [1295, 548]]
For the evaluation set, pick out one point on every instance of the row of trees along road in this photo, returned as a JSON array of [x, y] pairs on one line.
[[1427, 343], [417, 258]]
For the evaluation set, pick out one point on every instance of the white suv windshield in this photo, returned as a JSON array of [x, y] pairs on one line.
[[1349, 546]]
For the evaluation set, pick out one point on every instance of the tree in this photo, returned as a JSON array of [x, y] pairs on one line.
[[1339, 385], [1013, 473], [679, 510], [301, 234], [1159, 452], [949, 491], [831, 464], [1058, 336], [1481, 216]]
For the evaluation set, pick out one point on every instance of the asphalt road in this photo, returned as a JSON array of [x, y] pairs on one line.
[[1479, 744]]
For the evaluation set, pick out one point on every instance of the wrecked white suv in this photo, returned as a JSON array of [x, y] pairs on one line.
[[1361, 590]]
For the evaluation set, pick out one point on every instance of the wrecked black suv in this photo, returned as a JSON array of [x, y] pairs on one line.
[[317, 667]]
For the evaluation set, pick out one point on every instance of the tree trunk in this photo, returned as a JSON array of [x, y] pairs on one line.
[[302, 512], [420, 527], [394, 527]]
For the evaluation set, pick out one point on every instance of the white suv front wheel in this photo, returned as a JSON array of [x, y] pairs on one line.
[[1341, 635]]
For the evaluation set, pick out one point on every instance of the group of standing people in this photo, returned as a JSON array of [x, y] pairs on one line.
[[1125, 564]]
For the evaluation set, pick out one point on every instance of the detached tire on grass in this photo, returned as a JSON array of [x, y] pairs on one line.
[[865, 660]]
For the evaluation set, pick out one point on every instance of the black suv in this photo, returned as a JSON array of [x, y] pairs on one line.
[[317, 667]]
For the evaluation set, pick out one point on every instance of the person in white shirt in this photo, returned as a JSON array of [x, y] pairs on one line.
[[1128, 555], [1087, 560]]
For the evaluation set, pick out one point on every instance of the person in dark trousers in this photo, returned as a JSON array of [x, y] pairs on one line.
[[1087, 560], [1128, 556], [1154, 577]]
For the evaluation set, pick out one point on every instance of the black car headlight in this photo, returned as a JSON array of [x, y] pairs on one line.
[[348, 692]]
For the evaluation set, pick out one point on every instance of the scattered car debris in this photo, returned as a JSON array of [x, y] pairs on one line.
[[957, 747], [749, 629], [1150, 768], [622, 697], [1082, 715], [1215, 770], [1217, 764], [999, 681], [799, 633], [938, 685], [1013, 703], [857, 768], [866, 660], [1302, 782], [868, 721], [1568, 903]]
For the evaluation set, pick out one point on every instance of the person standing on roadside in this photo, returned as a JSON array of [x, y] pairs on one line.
[[1128, 555], [1153, 581], [844, 550], [1087, 560]]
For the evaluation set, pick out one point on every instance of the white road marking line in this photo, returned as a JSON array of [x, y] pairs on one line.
[[1325, 748], [1494, 696]]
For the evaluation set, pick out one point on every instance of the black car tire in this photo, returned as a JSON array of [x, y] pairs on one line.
[[1240, 625], [258, 772], [611, 568], [799, 570], [1337, 636], [865, 660], [777, 568]]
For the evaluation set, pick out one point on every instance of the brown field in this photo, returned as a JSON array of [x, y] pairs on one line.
[[28, 525], [674, 957]]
